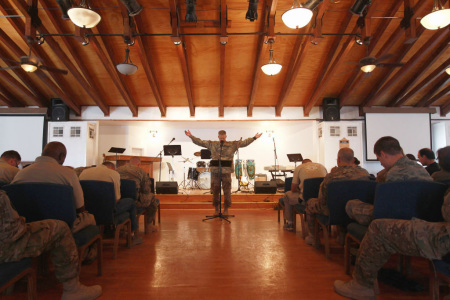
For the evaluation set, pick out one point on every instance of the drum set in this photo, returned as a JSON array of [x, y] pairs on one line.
[[200, 176]]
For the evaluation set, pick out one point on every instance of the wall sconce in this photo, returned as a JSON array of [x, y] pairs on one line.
[[153, 133], [270, 133]]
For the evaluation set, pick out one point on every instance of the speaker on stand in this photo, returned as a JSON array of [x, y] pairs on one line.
[[331, 111], [60, 111]]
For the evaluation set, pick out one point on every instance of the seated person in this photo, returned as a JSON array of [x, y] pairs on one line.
[[444, 162], [344, 171], [9, 162], [426, 158], [107, 172], [306, 170], [399, 168], [146, 199], [389, 236], [48, 168], [20, 240]]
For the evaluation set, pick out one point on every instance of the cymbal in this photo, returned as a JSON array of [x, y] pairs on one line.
[[197, 153]]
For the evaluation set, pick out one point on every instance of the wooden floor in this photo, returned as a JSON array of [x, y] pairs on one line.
[[251, 258]]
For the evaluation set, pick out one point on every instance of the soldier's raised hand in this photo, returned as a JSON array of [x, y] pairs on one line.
[[187, 132], [258, 135]]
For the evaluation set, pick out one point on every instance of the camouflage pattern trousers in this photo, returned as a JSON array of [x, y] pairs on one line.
[[226, 186], [290, 199], [314, 206], [150, 209], [408, 237], [43, 236], [359, 211]]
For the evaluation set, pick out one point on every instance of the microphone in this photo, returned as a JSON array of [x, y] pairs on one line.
[[172, 140]]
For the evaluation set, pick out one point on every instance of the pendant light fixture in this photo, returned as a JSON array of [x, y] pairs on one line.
[[448, 70], [127, 67], [438, 18], [271, 68], [84, 16], [297, 17]]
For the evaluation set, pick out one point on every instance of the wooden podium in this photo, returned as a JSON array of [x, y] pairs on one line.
[[146, 161]]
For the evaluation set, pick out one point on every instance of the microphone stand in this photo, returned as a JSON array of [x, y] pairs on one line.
[[220, 215], [275, 155]]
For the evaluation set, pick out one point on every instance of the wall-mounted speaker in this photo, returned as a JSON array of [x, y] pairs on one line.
[[265, 187], [60, 111], [166, 187], [330, 107]]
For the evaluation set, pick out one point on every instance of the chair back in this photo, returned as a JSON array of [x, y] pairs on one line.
[[152, 185], [40, 201], [311, 188], [340, 192], [128, 188], [287, 184], [408, 199], [100, 200], [2, 184]]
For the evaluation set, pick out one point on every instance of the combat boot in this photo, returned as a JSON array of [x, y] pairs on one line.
[[74, 290], [354, 290]]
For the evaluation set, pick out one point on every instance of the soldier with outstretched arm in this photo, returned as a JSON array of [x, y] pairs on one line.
[[222, 150]]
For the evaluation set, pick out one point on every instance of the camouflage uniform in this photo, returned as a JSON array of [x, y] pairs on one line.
[[441, 176], [146, 199], [319, 205], [404, 169], [227, 153], [408, 237], [7, 172], [19, 240]]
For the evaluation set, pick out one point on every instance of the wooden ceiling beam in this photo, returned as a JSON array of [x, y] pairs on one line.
[[11, 99], [86, 84], [23, 78], [420, 86], [445, 92], [441, 36], [261, 49], [426, 66], [149, 71], [5, 100], [57, 77], [19, 88], [383, 26], [182, 55], [446, 107]]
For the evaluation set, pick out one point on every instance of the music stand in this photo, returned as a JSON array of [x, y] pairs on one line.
[[295, 158], [205, 154], [172, 150], [116, 150]]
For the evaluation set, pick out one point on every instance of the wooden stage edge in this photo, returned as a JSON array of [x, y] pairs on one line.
[[196, 199]]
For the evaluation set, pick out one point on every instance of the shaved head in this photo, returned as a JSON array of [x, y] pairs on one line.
[[55, 150], [346, 155], [306, 160]]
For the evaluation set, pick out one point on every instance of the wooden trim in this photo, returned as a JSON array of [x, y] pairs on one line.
[[398, 110], [24, 110]]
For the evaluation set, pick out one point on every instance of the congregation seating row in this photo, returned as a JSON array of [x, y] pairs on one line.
[[392, 200], [40, 201]]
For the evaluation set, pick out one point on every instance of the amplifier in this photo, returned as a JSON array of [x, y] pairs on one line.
[[265, 187], [167, 187]]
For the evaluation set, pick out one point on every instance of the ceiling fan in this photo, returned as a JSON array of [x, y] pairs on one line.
[[369, 63], [30, 64]]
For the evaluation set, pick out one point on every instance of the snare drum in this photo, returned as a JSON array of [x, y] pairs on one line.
[[204, 180], [193, 173], [238, 168], [251, 168], [201, 164]]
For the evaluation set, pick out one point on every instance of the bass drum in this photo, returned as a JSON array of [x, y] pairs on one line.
[[204, 180]]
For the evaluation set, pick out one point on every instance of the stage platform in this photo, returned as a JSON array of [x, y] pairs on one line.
[[202, 199]]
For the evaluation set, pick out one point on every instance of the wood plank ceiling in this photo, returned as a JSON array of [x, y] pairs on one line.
[[216, 61]]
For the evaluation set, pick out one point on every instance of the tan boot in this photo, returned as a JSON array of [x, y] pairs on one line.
[[354, 290], [216, 211], [74, 290]]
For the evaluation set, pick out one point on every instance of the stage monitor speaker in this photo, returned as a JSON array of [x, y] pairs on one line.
[[166, 187], [265, 187], [60, 111], [330, 107]]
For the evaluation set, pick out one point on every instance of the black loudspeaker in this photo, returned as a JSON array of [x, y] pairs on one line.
[[265, 187], [166, 187], [60, 111], [331, 110]]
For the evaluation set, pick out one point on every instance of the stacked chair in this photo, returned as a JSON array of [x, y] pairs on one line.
[[41, 201], [100, 200]]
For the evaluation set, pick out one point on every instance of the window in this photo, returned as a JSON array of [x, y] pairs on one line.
[[58, 131], [352, 131], [75, 131], [335, 131]]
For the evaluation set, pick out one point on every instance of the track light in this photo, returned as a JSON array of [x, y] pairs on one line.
[[252, 12], [359, 6], [311, 4], [133, 7], [191, 16], [41, 40], [438, 18]]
